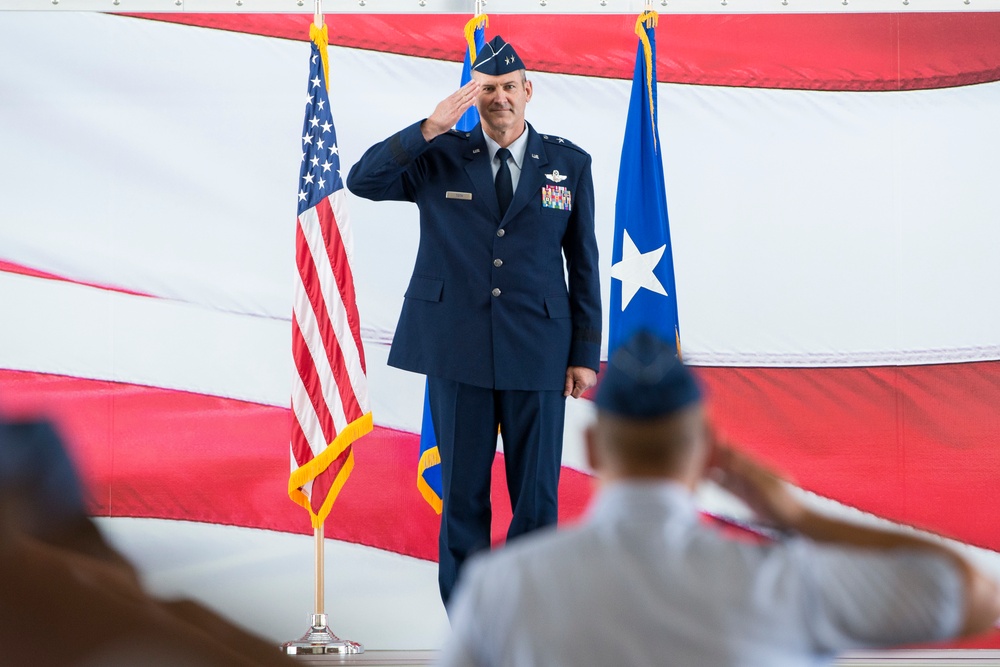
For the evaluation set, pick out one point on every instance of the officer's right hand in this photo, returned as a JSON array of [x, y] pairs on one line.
[[449, 110]]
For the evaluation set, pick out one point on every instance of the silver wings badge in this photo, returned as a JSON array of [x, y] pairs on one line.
[[556, 177]]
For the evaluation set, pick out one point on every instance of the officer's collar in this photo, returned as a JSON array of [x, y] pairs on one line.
[[517, 149]]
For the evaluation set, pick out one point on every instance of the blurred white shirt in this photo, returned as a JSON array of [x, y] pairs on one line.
[[643, 581]]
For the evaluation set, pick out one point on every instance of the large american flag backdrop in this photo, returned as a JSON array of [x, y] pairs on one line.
[[832, 190]]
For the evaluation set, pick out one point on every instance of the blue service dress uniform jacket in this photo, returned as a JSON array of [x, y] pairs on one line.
[[489, 303]]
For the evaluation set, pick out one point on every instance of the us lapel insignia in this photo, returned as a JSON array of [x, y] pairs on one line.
[[556, 177], [558, 197]]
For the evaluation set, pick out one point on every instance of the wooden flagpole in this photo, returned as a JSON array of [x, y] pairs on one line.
[[320, 585]]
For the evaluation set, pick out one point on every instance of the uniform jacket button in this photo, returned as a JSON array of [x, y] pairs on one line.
[[496, 291]]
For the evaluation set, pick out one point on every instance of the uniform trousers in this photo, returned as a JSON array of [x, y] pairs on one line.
[[466, 419]]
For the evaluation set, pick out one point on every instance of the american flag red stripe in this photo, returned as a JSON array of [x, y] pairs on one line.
[[330, 387]]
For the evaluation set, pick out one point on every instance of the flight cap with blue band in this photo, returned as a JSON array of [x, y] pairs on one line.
[[644, 379], [497, 57]]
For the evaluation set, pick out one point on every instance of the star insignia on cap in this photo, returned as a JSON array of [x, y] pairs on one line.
[[508, 60]]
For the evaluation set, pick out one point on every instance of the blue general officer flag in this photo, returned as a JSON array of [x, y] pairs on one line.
[[475, 35], [642, 266], [429, 463]]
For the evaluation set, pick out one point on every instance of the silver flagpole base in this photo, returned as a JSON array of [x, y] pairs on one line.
[[320, 641]]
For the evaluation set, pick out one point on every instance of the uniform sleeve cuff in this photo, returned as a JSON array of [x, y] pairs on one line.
[[586, 354], [407, 144]]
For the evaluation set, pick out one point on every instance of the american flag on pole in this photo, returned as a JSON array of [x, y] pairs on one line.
[[330, 387]]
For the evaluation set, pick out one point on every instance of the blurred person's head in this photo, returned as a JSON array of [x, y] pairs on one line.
[[40, 492], [650, 418]]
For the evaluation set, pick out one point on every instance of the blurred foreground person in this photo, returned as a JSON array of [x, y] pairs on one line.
[[643, 581], [68, 599]]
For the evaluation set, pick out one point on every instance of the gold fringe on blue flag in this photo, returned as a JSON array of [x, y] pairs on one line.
[[647, 20]]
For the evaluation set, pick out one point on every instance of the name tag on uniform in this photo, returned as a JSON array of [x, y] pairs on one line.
[[451, 194], [558, 197]]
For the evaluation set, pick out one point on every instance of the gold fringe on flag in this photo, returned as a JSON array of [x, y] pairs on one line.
[[321, 37], [429, 459], [650, 19], [477, 21], [305, 474]]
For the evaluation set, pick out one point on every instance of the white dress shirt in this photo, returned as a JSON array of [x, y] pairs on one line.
[[516, 158]]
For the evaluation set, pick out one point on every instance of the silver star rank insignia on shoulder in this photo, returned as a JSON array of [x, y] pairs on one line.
[[556, 177]]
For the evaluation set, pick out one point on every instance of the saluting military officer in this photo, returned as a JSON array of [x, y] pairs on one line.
[[503, 329]]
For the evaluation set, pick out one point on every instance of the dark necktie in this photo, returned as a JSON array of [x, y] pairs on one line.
[[503, 182]]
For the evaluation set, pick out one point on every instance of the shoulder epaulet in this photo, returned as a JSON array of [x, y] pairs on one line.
[[459, 134], [559, 141]]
